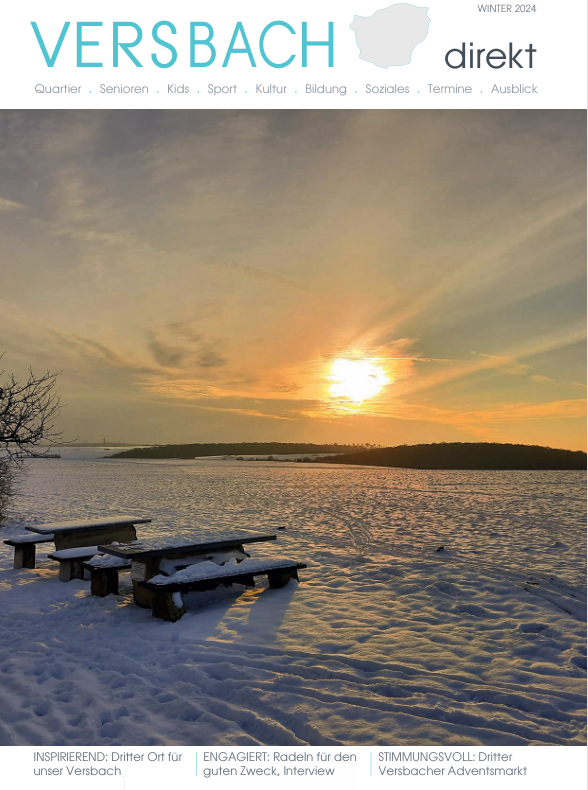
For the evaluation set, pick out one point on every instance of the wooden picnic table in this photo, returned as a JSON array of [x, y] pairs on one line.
[[146, 556], [168, 603], [74, 534]]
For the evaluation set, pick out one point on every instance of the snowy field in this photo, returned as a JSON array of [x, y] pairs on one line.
[[385, 641]]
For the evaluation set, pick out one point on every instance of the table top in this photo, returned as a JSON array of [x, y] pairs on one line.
[[162, 547], [99, 523]]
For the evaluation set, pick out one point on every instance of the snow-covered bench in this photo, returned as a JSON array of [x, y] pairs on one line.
[[24, 549], [104, 571], [167, 602], [71, 561]]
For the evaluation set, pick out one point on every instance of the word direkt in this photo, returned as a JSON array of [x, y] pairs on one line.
[[127, 36]]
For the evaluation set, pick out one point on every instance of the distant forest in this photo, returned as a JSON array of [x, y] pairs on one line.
[[454, 455], [240, 448], [466, 455]]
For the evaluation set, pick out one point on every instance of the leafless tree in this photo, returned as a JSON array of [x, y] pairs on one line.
[[27, 412]]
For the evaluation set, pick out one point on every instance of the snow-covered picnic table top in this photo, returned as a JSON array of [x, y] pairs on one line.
[[166, 546], [99, 523]]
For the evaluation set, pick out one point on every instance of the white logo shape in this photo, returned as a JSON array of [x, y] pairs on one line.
[[388, 37]]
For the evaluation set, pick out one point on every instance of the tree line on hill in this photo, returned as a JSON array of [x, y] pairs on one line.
[[466, 455], [445, 455], [234, 448]]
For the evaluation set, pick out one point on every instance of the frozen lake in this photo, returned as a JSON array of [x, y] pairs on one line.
[[386, 640]]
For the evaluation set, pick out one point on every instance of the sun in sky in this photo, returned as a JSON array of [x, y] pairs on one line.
[[356, 380], [350, 312]]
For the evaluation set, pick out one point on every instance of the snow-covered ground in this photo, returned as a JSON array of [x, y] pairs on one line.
[[385, 641]]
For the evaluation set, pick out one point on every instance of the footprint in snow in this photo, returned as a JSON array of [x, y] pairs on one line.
[[41, 708], [579, 661], [112, 729], [475, 611], [532, 628], [447, 588]]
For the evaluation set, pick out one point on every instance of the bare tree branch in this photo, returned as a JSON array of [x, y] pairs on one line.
[[27, 412]]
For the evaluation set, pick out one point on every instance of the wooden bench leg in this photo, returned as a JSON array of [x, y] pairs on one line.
[[66, 571], [168, 606], [104, 581], [24, 556], [141, 595], [278, 578], [71, 569], [78, 570]]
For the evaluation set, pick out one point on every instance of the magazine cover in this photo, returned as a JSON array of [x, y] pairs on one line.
[[293, 395]]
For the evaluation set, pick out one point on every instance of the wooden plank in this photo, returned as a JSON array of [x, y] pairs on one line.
[[93, 536], [245, 577], [66, 526], [77, 553], [142, 550], [25, 539]]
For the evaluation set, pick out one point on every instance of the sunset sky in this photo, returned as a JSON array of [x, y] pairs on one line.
[[389, 277]]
